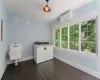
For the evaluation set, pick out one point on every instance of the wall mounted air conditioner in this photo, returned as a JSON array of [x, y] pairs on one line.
[[66, 16]]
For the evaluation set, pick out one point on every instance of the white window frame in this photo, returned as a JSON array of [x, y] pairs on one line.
[[79, 51], [69, 37], [90, 53], [55, 38], [60, 36]]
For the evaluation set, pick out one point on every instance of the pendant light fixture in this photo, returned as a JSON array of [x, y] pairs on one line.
[[47, 8]]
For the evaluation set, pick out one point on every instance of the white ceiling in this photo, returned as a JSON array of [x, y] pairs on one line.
[[34, 8]]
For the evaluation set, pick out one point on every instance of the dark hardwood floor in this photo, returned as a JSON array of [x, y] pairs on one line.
[[50, 70]]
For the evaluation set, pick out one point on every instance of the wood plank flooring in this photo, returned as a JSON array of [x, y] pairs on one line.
[[50, 70]]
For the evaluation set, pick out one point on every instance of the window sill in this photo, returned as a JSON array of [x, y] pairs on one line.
[[78, 52]]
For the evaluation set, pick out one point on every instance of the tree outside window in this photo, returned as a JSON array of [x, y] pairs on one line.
[[64, 37], [87, 32], [74, 37], [58, 37], [88, 36]]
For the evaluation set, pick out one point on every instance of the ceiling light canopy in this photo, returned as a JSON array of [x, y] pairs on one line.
[[47, 8]]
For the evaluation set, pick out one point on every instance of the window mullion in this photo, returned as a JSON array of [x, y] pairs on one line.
[[60, 36], [68, 37], [79, 36]]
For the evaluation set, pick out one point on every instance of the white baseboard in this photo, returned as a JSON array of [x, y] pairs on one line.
[[2, 72], [80, 67], [22, 59]]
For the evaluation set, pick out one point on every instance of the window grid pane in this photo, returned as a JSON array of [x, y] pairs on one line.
[[57, 43], [74, 37], [58, 34], [88, 36], [64, 44], [85, 40], [57, 38], [64, 38]]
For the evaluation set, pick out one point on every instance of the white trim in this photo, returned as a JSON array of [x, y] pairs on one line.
[[97, 36], [22, 59], [2, 72], [60, 36], [79, 36], [54, 37], [80, 67], [68, 37], [77, 52]]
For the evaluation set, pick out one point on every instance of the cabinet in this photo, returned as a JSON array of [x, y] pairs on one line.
[[43, 53]]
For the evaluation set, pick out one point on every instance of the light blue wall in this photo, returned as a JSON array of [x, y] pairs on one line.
[[85, 9], [88, 61], [3, 43], [26, 33]]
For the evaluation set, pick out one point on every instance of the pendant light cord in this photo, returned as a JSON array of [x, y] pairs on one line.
[[47, 1]]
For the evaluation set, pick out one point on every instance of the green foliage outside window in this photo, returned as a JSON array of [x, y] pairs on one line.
[[58, 37], [74, 36], [88, 36], [64, 37]]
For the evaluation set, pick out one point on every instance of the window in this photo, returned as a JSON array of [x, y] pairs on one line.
[[80, 37], [58, 37], [74, 37], [88, 36], [64, 37]]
